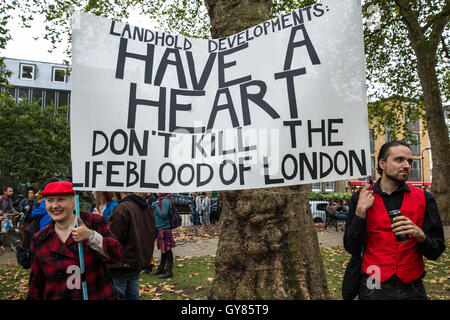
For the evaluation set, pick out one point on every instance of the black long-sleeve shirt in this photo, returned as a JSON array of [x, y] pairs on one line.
[[356, 231]]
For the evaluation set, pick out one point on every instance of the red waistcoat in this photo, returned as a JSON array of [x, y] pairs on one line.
[[381, 248]]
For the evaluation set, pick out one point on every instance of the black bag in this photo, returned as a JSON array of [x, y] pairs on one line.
[[23, 253], [352, 278], [174, 217]]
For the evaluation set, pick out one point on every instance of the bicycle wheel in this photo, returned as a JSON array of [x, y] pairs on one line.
[[14, 238]]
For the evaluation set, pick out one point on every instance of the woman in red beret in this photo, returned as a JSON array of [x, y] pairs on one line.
[[55, 272]]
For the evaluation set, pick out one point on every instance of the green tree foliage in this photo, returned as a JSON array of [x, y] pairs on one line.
[[319, 196], [393, 30], [35, 142], [5, 36]]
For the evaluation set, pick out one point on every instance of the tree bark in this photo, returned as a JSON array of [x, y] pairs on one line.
[[437, 132], [268, 247], [425, 49]]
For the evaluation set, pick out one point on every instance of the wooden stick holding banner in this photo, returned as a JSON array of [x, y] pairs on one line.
[[80, 250]]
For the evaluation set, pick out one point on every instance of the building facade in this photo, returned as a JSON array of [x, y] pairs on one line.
[[420, 174], [421, 167], [48, 83]]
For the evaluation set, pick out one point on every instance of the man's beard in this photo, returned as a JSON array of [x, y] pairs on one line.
[[396, 177]]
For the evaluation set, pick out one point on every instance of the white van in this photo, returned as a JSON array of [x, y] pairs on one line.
[[318, 210]]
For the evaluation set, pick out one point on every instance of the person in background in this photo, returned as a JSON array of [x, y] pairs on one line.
[[2, 248], [133, 223], [165, 239], [150, 198], [40, 212], [341, 210], [196, 208], [6, 200], [28, 204], [206, 208], [331, 207], [105, 201]]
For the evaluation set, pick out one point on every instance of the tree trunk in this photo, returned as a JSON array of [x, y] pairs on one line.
[[268, 247], [425, 48], [437, 132]]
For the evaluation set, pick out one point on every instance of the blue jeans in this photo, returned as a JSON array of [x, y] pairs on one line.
[[342, 216], [126, 282]]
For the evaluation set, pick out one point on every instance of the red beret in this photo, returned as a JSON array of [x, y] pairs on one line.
[[58, 187]]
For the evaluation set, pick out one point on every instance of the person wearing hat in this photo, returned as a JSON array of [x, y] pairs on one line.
[[55, 272], [40, 212]]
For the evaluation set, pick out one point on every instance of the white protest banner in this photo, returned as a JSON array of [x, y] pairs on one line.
[[281, 103]]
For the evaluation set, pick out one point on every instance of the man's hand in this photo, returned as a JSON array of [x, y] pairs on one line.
[[82, 232], [365, 201], [2, 250], [403, 225]]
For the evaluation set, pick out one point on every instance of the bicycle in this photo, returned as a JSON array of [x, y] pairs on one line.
[[11, 229]]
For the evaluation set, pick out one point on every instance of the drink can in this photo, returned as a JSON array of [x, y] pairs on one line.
[[392, 215]]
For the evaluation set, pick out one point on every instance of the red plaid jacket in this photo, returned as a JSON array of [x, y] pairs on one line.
[[52, 272]]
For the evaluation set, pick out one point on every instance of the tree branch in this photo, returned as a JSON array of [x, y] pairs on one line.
[[408, 16], [447, 55], [445, 12], [438, 27]]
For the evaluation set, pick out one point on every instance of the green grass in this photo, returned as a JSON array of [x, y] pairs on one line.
[[193, 276]]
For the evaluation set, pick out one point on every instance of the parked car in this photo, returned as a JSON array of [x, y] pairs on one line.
[[182, 202], [318, 210]]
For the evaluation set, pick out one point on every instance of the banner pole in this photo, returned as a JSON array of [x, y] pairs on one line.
[[80, 251]]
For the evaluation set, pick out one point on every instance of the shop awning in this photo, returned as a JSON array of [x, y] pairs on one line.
[[411, 183]]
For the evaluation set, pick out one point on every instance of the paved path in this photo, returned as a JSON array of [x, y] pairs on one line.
[[208, 247]]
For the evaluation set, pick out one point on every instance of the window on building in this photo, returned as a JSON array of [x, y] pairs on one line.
[[63, 98], [59, 75], [389, 136], [11, 92], [23, 94], [27, 71], [37, 95], [413, 125], [49, 98], [329, 186], [415, 173], [372, 141], [316, 187], [414, 143]]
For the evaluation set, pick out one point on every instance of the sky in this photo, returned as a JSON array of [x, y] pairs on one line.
[[23, 46]]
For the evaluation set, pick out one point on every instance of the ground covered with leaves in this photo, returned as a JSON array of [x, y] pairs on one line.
[[193, 276], [199, 232]]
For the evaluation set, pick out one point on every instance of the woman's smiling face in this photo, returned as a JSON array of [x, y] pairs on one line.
[[60, 207]]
